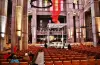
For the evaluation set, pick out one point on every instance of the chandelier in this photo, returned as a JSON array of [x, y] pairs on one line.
[[37, 6]]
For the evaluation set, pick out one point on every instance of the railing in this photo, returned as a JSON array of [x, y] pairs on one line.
[[51, 33]]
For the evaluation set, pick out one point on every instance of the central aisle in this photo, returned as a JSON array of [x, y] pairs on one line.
[[40, 58]]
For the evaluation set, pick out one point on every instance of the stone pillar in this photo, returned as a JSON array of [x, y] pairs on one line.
[[82, 25], [94, 13], [25, 26], [67, 28], [34, 25], [19, 13], [77, 29], [69, 18], [3, 20], [13, 26], [0, 22]]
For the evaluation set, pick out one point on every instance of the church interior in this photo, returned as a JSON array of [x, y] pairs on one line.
[[49, 32]]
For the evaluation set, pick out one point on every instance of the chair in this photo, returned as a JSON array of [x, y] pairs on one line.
[[69, 58], [84, 62], [24, 63], [55, 59], [83, 58], [57, 62], [3, 60], [67, 63], [77, 58], [75, 62], [14, 64], [62, 59], [47, 59], [91, 62], [91, 57], [4, 63], [47, 56], [98, 61], [54, 56], [7, 63], [60, 56], [48, 62]]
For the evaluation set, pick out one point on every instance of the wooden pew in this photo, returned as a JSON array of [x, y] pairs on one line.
[[7, 63]]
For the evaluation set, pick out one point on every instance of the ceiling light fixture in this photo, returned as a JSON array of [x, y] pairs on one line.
[[37, 6]]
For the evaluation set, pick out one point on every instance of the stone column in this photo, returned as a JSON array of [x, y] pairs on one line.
[[0, 21], [67, 28], [70, 27], [34, 25], [82, 25], [94, 13], [13, 26], [19, 13], [3, 20], [25, 25]]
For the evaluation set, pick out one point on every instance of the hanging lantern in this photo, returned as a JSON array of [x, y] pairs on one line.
[[49, 2]]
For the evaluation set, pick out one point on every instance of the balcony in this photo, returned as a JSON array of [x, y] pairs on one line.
[[51, 33]]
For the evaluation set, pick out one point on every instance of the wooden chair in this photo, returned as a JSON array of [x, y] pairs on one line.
[[47, 59], [14, 64], [60, 56], [24, 63], [91, 57], [48, 62], [91, 62], [67, 63], [55, 59], [57, 62], [62, 59], [7, 63], [3, 60], [47, 56], [77, 58], [98, 61], [69, 58], [75, 62], [4, 63], [84, 62], [54, 56]]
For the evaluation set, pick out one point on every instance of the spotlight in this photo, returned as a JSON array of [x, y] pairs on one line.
[[37, 6]]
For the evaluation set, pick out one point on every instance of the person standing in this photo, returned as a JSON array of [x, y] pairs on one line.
[[45, 45], [69, 47]]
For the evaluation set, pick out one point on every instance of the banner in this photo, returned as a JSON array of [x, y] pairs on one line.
[[56, 10]]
